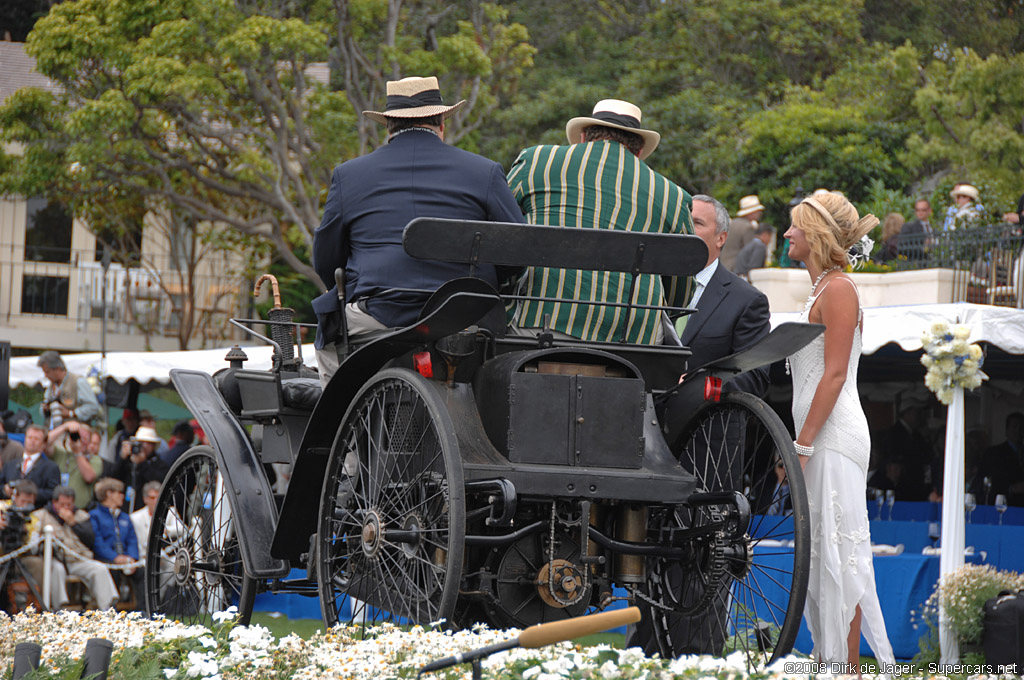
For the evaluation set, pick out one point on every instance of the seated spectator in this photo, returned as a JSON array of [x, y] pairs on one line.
[[70, 447], [115, 540], [889, 248], [887, 478], [755, 254], [146, 419], [182, 434], [143, 517], [73, 528], [907, 439], [14, 513], [34, 465], [138, 464], [9, 449], [966, 211]]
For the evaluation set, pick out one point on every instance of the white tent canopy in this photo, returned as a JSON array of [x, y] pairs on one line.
[[146, 367], [1001, 326], [904, 324]]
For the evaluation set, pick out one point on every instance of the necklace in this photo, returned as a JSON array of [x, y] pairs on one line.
[[810, 299]]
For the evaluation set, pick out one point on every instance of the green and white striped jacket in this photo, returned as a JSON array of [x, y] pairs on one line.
[[597, 185]]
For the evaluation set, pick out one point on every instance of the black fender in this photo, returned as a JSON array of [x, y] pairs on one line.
[[302, 503], [251, 498]]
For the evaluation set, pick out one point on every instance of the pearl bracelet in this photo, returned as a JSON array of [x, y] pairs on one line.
[[802, 450]]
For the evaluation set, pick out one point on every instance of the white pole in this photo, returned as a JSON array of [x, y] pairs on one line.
[[952, 556], [47, 563]]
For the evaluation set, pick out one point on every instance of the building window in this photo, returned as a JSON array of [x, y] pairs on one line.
[[44, 295], [47, 231]]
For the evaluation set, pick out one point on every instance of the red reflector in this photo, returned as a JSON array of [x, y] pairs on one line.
[[712, 388], [421, 360]]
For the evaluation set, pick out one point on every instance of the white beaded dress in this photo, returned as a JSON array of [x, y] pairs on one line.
[[842, 575]]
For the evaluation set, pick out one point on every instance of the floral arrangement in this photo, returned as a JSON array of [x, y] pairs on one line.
[[160, 649], [950, 360], [962, 595], [860, 252]]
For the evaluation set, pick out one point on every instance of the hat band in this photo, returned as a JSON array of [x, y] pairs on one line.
[[425, 98], [617, 119]]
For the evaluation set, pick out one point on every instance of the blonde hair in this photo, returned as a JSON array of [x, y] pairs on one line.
[[831, 225], [891, 226]]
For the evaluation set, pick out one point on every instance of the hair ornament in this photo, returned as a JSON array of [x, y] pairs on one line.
[[860, 251]]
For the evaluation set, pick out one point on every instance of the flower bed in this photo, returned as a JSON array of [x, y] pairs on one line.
[[166, 650]]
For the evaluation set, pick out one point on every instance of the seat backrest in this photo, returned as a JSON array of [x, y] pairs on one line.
[[511, 244]]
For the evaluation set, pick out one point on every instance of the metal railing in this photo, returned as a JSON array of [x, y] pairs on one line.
[[987, 261], [137, 300]]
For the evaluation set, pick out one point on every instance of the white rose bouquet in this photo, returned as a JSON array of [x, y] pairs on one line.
[[951, 361]]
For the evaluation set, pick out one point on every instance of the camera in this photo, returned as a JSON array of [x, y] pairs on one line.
[[74, 436], [13, 535], [136, 446]]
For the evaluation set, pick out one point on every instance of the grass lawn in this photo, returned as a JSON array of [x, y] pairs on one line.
[[281, 626]]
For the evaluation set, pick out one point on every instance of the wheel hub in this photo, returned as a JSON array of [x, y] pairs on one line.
[[568, 584], [412, 524], [182, 567], [372, 535]]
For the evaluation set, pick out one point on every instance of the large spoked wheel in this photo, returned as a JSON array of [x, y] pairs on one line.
[[392, 515], [751, 589], [193, 563]]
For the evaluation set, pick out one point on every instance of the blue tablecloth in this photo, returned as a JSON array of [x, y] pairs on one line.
[[903, 583], [924, 511], [1003, 545]]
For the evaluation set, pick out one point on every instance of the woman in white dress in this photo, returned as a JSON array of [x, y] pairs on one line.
[[832, 435]]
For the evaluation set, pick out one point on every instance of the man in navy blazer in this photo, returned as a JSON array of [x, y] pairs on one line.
[[33, 465], [373, 197]]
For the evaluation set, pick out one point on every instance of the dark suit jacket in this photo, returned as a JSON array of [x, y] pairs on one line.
[[731, 316], [1004, 466], [370, 201], [912, 240], [44, 473]]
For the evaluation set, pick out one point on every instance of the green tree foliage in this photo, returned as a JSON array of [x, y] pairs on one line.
[[213, 109], [971, 114]]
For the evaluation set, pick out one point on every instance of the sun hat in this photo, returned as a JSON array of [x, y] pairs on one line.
[[964, 190], [618, 114], [749, 204], [413, 97], [147, 434]]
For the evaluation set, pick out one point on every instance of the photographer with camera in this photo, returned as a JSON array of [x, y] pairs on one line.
[[73, 528], [138, 464], [68, 396], [16, 525], [70, 447], [34, 465]]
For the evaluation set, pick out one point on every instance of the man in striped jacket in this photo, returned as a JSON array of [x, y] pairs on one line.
[[599, 181]]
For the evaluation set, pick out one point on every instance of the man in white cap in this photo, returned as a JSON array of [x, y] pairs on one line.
[[373, 197], [741, 230], [599, 181], [138, 464]]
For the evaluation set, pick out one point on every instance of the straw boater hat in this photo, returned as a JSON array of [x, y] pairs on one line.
[[614, 113], [749, 204], [413, 98], [964, 190]]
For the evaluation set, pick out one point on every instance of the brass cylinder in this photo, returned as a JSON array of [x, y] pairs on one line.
[[631, 525]]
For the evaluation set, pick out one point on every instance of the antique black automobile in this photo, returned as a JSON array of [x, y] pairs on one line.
[[452, 472]]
